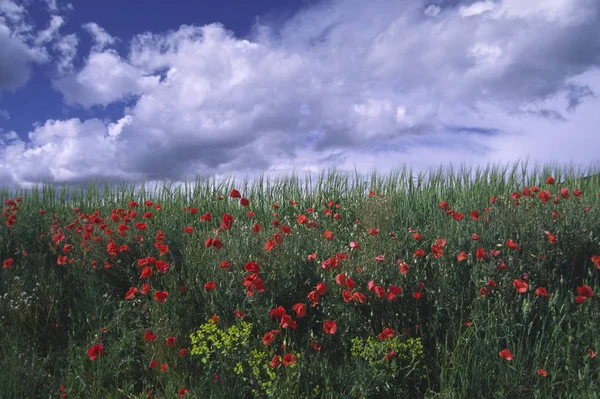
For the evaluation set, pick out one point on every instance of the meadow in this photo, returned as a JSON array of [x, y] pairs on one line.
[[456, 284]]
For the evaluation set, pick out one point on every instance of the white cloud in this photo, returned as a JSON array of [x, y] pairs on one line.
[[50, 33], [372, 84], [4, 114], [101, 38], [105, 78], [66, 47]]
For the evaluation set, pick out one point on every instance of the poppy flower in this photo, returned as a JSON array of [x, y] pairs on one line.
[[541, 291], [289, 359], [8, 263], [321, 288], [380, 258], [513, 245], [277, 312], [244, 202], [234, 194], [256, 228], [462, 256], [542, 372], [591, 353], [275, 362], [328, 235], [312, 257], [387, 333], [402, 266], [329, 327], [95, 350], [585, 290], [313, 296], [287, 322], [550, 180], [350, 283], [506, 354], [346, 296], [359, 297], [437, 251], [475, 215], [224, 264], [163, 367], [149, 336], [182, 392], [417, 236], [481, 254], [521, 286], [252, 267], [268, 338], [354, 245], [300, 309], [171, 341], [188, 229], [131, 293], [577, 193], [340, 279], [419, 253], [160, 296], [210, 286], [269, 245], [207, 217], [458, 216], [146, 272], [153, 364], [417, 295], [227, 221]]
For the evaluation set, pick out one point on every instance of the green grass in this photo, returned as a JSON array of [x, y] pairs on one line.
[[446, 344]]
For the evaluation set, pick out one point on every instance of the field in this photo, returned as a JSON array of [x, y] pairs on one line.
[[457, 284]]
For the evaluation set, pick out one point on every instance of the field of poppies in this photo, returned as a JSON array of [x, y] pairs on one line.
[[450, 284]]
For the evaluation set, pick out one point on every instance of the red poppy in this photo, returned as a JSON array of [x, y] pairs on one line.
[[183, 352], [481, 254], [244, 202], [475, 215], [542, 372], [224, 264], [312, 257], [596, 260], [506, 354], [437, 251], [275, 362], [188, 229], [171, 341], [359, 297], [444, 205], [380, 258], [149, 336], [585, 291], [591, 353], [268, 338], [289, 359], [419, 253], [153, 364], [146, 272], [160, 296], [211, 285], [521, 286], [417, 295], [329, 327], [207, 217], [163, 367], [577, 193], [541, 291], [550, 180], [417, 236], [182, 392], [145, 289], [269, 245], [287, 322], [340, 279], [131, 293], [321, 288], [458, 216], [350, 283], [300, 309], [313, 296], [8, 263], [252, 267], [227, 222], [95, 350], [277, 312], [235, 194], [387, 333], [328, 235], [346, 296]]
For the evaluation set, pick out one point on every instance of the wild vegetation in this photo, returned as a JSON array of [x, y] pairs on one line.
[[476, 283]]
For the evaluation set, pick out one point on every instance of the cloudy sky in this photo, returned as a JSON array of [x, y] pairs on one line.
[[171, 89]]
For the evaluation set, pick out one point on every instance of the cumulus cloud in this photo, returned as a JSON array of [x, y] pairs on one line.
[[101, 38], [21, 44], [371, 84]]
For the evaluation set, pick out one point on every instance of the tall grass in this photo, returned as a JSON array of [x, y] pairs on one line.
[[51, 314]]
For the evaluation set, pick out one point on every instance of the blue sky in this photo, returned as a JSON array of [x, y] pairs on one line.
[[156, 89]]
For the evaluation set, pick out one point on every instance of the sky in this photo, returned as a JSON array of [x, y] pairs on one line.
[[151, 89]]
